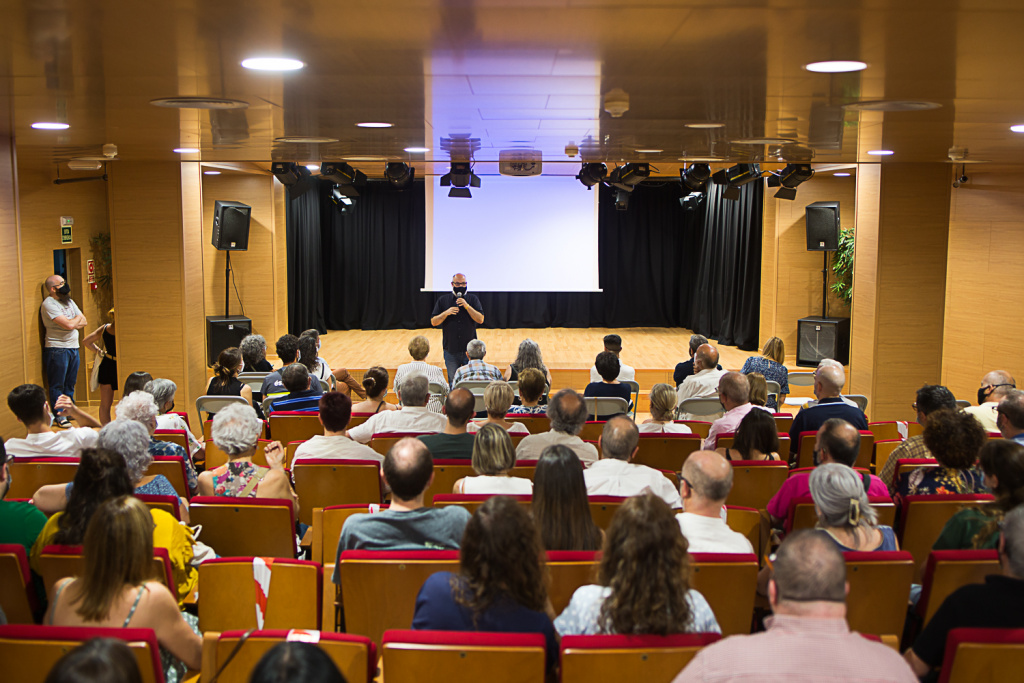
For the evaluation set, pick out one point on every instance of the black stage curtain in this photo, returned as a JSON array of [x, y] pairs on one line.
[[660, 266], [305, 266]]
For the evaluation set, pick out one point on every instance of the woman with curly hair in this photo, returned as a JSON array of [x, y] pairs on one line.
[[501, 584], [644, 585], [954, 439]]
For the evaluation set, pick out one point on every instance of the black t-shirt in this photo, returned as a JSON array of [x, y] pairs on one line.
[[459, 329], [684, 370], [449, 446]]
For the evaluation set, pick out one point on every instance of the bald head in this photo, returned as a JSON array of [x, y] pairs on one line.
[[997, 385], [734, 389], [829, 381], [709, 476], [567, 411], [620, 438], [54, 281], [705, 358], [459, 407], [808, 568], [838, 441], [408, 469]]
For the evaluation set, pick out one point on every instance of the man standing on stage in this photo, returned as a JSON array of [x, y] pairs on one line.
[[62, 319], [457, 314]]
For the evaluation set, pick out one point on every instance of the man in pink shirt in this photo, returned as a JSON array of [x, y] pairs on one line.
[[837, 441], [734, 395]]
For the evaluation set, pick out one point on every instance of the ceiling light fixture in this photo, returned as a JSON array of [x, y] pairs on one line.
[[186, 150], [789, 178], [628, 176], [592, 174], [211, 172], [50, 125], [841, 175], [400, 174], [305, 139], [880, 152], [695, 178], [736, 177], [460, 178], [375, 124], [191, 102], [836, 66], [706, 124], [649, 151], [272, 64], [417, 150], [1018, 128]]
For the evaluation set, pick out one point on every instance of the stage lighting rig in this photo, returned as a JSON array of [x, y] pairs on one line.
[[399, 174], [460, 178], [695, 178], [340, 199], [622, 200], [789, 178], [628, 176], [291, 176], [592, 174], [736, 177], [344, 176], [692, 201]]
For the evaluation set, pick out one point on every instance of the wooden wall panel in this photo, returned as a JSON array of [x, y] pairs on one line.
[[280, 261], [193, 260], [863, 321], [12, 339]]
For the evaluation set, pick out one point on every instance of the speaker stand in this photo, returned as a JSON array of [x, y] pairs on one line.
[[227, 284], [824, 285]]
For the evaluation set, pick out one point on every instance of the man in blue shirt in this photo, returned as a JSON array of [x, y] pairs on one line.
[[457, 314], [828, 383], [300, 397], [1010, 416]]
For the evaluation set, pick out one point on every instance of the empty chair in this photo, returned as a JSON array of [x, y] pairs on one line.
[[783, 421], [613, 658], [592, 430], [746, 521], [28, 652], [860, 400], [888, 430], [287, 426], [756, 481], [603, 509], [923, 517], [879, 589], [17, 594], [445, 656], [947, 570], [29, 474], [701, 407], [354, 655], [699, 427], [243, 527], [666, 451], [211, 404], [728, 581], [883, 450], [801, 379], [321, 483], [227, 587], [983, 655], [535, 423]]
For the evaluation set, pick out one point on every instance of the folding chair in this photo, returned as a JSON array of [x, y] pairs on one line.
[[229, 594], [56, 562], [801, 379], [947, 570], [860, 400], [288, 426], [802, 515], [477, 388], [320, 483], [635, 387], [173, 468], [29, 474], [537, 424], [446, 473], [699, 428], [666, 451], [472, 502], [176, 436], [728, 581], [879, 589], [245, 527], [609, 659], [702, 407], [603, 508], [355, 656], [983, 655], [379, 588], [168, 504], [17, 594], [774, 390], [592, 430], [756, 481], [211, 404], [567, 571], [923, 517], [29, 651], [445, 656], [605, 405]]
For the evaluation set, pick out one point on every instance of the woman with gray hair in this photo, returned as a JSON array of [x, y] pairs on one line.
[[141, 407], [527, 357], [163, 391], [844, 512], [236, 430], [254, 353]]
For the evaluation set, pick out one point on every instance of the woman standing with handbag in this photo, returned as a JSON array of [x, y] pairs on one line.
[[106, 374]]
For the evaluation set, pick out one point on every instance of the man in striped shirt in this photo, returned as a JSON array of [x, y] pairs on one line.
[[300, 397]]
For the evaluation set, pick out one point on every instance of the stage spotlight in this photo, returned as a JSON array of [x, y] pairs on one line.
[[291, 176], [340, 199], [460, 178], [692, 201], [343, 175], [789, 178], [592, 174], [399, 174], [622, 200], [695, 178], [627, 176], [736, 177]]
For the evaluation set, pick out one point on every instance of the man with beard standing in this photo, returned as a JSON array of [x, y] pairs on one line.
[[62, 319], [457, 314]]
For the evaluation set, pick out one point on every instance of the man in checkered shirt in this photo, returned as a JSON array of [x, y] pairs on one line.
[[477, 370]]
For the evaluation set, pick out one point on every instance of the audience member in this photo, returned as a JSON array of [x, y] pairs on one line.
[[20, 523], [772, 365], [254, 353], [704, 382], [493, 460], [643, 580], [457, 314], [419, 348], [163, 391], [136, 381], [501, 584], [62, 319], [560, 507], [995, 386], [301, 396], [498, 397], [1002, 462], [568, 414], [734, 395], [828, 382], [288, 352], [685, 369], [97, 660], [758, 389], [335, 413], [844, 512], [115, 589], [296, 661], [414, 417], [140, 407], [106, 375], [613, 344], [615, 474], [528, 356], [757, 438], [375, 381], [225, 380], [663, 401], [836, 441], [532, 385], [28, 403], [406, 524], [954, 438], [1010, 418], [930, 397], [808, 638], [309, 357], [832, 363], [997, 603], [454, 442], [705, 483], [476, 370], [608, 386]]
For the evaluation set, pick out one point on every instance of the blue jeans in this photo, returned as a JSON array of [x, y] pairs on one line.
[[454, 361], [61, 372]]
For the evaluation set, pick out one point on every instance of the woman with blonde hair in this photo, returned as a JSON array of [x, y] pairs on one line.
[[498, 397], [844, 512], [107, 358], [375, 381], [758, 389], [493, 460], [663, 400], [531, 390], [116, 588], [771, 364]]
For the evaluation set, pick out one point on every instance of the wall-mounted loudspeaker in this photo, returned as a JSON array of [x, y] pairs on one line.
[[819, 338], [231, 226], [822, 226]]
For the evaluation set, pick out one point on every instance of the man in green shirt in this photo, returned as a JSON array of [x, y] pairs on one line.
[[19, 522]]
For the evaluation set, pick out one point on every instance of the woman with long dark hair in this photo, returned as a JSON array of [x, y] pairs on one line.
[[225, 380], [757, 438], [560, 508]]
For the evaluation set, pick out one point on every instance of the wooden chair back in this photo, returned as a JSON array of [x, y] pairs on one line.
[[983, 655], [56, 562], [592, 430], [445, 656], [609, 659], [215, 457], [666, 452], [327, 525], [537, 424], [567, 571], [947, 570], [358, 419], [17, 594], [699, 427], [28, 474], [756, 481], [887, 430], [471, 502], [806, 453], [382, 443], [228, 592], [526, 469], [168, 504], [175, 436], [321, 483], [446, 473], [802, 515], [923, 517], [725, 440], [355, 656], [746, 521], [908, 465], [246, 527], [603, 508], [729, 583], [879, 589], [29, 651], [288, 426], [173, 468], [783, 422], [883, 451]]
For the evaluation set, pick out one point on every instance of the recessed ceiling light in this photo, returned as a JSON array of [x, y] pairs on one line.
[[211, 172], [305, 139], [365, 158], [272, 64], [1019, 128], [649, 151], [880, 152], [699, 159], [763, 141], [313, 167], [50, 125], [189, 102], [185, 150], [892, 105], [374, 124], [841, 175], [417, 150], [705, 125], [835, 67]]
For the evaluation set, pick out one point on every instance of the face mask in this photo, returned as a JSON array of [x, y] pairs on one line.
[[982, 395], [817, 457], [64, 289], [171, 409], [459, 291], [241, 367]]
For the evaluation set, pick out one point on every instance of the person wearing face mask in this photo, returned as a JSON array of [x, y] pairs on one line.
[[28, 403], [457, 314], [225, 380], [828, 383], [62, 319], [1011, 416], [995, 386]]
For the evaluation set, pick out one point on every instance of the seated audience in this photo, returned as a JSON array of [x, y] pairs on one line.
[[758, 395], [808, 638], [288, 351], [109, 660], [844, 512], [954, 438], [663, 401], [607, 365], [527, 357], [309, 356], [414, 417], [20, 523], [703, 383], [757, 438], [498, 397], [453, 442], [734, 395], [163, 391], [136, 381], [236, 431], [836, 441], [225, 380], [345, 382], [335, 413], [613, 344], [493, 460], [643, 580], [828, 383], [995, 386], [685, 369], [704, 485], [560, 507], [115, 590], [1002, 463], [476, 370], [375, 381], [772, 365], [140, 407], [531, 390], [301, 396], [296, 661], [28, 403], [254, 353], [500, 585], [997, 603], [406, 524], [1010, 418], [615, 474], [930, 397], [419, 348], [568, 414]]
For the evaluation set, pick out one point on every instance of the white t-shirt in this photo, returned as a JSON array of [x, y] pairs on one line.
[[408, 419], [336, 448], [611, 477], [626, 373], [532, 446], [56, 336], [669, 428], [65, 443], [711, 535], [488, 485], [516, 428]]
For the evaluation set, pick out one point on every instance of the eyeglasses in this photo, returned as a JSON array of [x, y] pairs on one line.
[[458, 283], [683, 479], [914, 405]]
